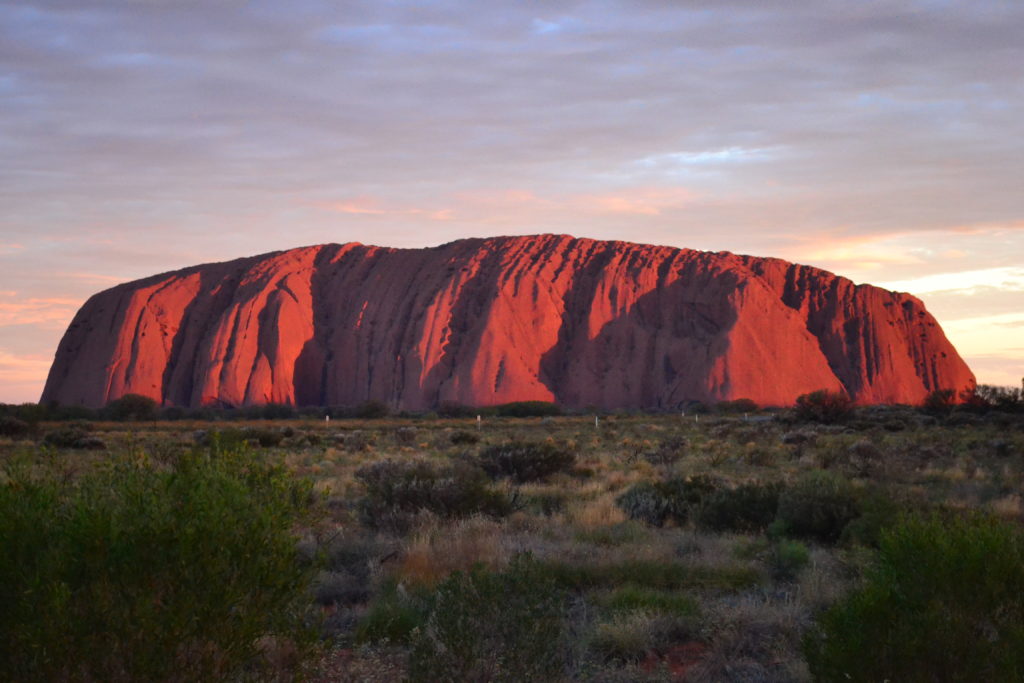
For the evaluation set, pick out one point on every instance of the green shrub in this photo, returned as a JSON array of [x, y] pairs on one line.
[[670, 499], [817, 507], [656, 574], [137, 571], [632, 597], [132, 407], [612, 535], [267, 438], [788, 558], [486, 626], [524, 461], [629, 637], [668, 453], [73, 436], [406, 436], [547, 503], [527, 409], [879, 510], [747, 508], [944, 601], [276, 411], [227, 440], [394, 615], [824, 406], [371, 410], [396, 491], [464, 438], [739, 405], [453, 409], [13, 428], [940, 402]]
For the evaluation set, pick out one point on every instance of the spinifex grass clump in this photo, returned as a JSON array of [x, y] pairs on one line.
[[144, 571], [943, 602]]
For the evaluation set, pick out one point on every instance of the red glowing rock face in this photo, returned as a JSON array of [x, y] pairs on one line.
[[486, 321]]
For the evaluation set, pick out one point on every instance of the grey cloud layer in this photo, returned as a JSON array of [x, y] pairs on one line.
[[202, 105]]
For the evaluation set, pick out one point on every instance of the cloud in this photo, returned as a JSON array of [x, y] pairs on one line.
[[963, 282], [52, 312], [369, 206], [22, 376]]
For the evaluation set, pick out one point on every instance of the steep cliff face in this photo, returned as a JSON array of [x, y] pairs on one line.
[[485, 321]]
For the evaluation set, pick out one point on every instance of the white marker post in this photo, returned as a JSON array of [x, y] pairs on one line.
[[595, 422], [479, 422]]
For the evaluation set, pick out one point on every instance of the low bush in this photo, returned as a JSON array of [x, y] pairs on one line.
[[524, 461], [394, 615], [137, 571], [748, 508], [13, 428], [340, 588], [527, 409], [671, 499], [739, 405], [632, 597], [817, 507], [406, 436], [132, 407], [371, 410], [940, 402], [547, 503], [879, 510], [944, 601], [464, 438], [266, 438], [397, 491], [656, 574], [668, 452], [788, 558], [824, 406], [453, 409], [73, 436], [486, 626], [356, 441], [629, 637], [1006, 399]]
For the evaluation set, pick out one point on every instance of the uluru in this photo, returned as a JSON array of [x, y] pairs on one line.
[[580, 322]]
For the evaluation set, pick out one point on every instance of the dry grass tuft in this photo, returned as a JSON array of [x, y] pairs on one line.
[[753, 637], [438, 550], [601, 511]]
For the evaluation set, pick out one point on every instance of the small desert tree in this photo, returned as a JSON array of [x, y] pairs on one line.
[[824, 406], [132, 407]]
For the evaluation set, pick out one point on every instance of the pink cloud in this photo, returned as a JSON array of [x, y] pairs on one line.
[[517, 204], [643, 201], [22, 377], [52, 312], [356, 205], [371, 206]]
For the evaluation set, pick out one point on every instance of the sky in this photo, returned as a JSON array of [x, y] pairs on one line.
[[881, 140]]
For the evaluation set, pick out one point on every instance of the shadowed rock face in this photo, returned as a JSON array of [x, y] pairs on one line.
[[485, 321]]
